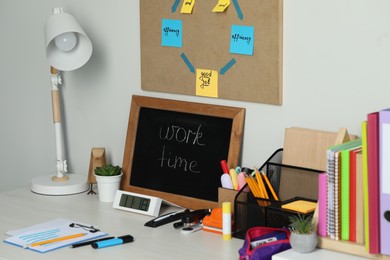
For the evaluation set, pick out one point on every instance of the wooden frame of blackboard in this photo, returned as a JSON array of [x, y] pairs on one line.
[[235, 114]]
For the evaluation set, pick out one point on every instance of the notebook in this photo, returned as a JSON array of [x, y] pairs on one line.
[[66, 231]]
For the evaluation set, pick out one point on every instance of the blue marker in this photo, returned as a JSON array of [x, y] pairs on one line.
[[113, 242]]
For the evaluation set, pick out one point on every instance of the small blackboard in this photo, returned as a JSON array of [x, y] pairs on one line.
[[173, 149]]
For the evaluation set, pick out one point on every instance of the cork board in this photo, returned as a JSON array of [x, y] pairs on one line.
[[206, 45]]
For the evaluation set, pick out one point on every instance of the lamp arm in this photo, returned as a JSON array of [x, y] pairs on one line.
[[61, 165]]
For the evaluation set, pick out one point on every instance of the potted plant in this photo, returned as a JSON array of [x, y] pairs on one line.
[[108, 179], [303, 238]]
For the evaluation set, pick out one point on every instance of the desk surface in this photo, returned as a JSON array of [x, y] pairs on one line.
[[21, 208], [317, 254]]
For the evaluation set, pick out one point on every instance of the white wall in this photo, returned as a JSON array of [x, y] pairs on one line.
[[336, 70]]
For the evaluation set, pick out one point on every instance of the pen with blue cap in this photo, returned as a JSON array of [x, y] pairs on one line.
[[90, 242], [113, 242]]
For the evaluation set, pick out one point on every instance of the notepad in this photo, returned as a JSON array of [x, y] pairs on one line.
[[301, 206], [57, 228]]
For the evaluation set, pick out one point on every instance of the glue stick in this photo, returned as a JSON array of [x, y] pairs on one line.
[[226, 220]]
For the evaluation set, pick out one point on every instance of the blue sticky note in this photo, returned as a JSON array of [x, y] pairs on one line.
[[242, 39], [171, 33]]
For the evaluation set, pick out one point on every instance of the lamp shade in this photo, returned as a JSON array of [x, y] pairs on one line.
[[72, 56]]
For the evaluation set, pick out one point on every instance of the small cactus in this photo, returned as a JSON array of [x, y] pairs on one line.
[[108, 170]]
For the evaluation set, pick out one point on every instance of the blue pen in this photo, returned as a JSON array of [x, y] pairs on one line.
[[113, 242]]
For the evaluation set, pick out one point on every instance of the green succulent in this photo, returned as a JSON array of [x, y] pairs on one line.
[[301, 224], [108, 170]]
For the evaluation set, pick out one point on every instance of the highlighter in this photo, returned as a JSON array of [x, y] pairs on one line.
[[234, 177], [241, 181], [226, 181], [224, 166], [113, 242]]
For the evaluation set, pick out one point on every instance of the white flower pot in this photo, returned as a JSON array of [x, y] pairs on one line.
[[303, 243], [107, 187]]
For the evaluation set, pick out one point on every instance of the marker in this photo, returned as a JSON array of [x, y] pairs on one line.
[[226, 181], [90, 242], [224, 167], [241, 181], [233, 176], [113, 242]]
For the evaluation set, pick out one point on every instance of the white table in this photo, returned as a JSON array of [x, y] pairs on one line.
[[317, 254], [21, 208]]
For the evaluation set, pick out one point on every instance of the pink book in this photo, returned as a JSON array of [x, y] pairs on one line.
[[373, 181], [322, 204]]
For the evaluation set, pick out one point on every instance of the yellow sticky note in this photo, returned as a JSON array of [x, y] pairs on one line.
[[206, 83], [302, 206], [187, 6], [221, 6]]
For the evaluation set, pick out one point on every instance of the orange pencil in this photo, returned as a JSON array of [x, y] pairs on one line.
[[255, 189], [270, 186], [261, 185], [44, 242]]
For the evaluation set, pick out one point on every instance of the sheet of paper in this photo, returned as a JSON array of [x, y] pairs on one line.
[[57, 228], [221, 6], [187, 7], [171, 33], [242, 39], [48, 224], [206, 83]]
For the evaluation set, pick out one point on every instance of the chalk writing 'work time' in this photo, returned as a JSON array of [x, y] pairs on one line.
[[179, 134]]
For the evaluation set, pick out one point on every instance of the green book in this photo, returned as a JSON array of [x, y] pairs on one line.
[[345, 191]]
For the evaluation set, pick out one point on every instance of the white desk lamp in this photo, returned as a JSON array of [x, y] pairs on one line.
[[67, 48]]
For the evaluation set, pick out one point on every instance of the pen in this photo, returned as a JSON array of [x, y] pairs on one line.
[[112, 242], [44, 242], [90, 242]]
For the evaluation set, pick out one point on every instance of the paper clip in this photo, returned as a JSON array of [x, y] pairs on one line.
[[91, 229]]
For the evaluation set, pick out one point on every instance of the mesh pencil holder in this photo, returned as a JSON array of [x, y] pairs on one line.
[[289, 183]]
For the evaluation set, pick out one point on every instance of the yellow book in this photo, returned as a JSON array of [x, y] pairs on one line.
[[301, 206], [365, 185]]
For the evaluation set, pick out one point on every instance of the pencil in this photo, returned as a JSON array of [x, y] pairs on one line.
[[255, 189], [261, 185], [270, 186], [44, 242]]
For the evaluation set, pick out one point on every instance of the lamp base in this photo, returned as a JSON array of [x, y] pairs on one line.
[[77, 183]]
